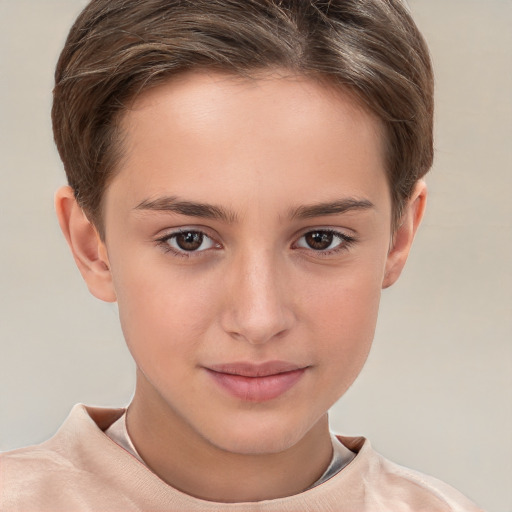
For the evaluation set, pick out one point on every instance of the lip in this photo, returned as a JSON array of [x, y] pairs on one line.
[[256, 382]]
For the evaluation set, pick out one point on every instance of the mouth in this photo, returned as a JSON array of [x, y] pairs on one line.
[[256, 382]]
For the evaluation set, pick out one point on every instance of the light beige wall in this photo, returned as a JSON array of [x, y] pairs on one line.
[[437, 391]]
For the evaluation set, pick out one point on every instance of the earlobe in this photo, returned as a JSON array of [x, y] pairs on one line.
[[88, 250], [404, 234]]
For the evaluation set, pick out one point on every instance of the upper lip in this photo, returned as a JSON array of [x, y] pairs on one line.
[[246, 369]]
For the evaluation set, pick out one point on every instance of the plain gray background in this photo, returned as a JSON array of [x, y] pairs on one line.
[[436, 394]]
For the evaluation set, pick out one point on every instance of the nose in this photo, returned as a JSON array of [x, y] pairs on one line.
[[259, 306]]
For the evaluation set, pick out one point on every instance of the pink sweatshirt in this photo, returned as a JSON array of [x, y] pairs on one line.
[[81, 469]]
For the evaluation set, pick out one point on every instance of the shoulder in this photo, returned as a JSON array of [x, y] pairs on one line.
[[389, 486], [25, 471], [427, 489], [31, 476], [53, 472]]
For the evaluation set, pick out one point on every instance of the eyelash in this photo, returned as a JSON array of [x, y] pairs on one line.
[[164, 243], [346, 241]]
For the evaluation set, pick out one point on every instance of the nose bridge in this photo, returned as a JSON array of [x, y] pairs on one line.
[[259, 306]]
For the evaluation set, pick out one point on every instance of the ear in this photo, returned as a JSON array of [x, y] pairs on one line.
[[88, 249], [404, 234]]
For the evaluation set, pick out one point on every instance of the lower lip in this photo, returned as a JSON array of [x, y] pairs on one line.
[[257, 389]]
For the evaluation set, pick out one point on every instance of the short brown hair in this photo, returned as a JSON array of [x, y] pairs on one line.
[[118, 48]]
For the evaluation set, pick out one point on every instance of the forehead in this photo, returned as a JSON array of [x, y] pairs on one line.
[[227, 100], [219, 136]]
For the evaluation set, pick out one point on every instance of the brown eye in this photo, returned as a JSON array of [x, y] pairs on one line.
[[189, 240], [319, 240], [325, 240]]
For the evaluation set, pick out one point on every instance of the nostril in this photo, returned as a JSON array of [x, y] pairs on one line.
[[258, 328]]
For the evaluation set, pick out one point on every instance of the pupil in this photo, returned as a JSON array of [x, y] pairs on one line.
[[319, 240], [189, 241]]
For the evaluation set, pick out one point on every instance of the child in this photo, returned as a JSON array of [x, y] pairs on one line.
[[245, 177]]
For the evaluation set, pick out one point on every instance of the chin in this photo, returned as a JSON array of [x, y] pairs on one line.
[[258, 436], [256, 444]]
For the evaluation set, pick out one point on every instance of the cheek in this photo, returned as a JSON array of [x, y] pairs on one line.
[[344, 317], [162, 312]]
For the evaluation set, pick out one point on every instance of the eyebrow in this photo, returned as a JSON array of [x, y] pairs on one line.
[[193, 209], [331, 208], [188, 208]]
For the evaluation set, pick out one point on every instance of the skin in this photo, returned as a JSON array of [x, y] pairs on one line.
[[255, 290]]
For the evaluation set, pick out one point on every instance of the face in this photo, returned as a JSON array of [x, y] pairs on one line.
[[247, 235]]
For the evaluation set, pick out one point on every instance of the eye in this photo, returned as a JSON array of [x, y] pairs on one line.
[[324, 240], [187, 241]]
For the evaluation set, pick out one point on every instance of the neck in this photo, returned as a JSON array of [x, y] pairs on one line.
[[184, 459]]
